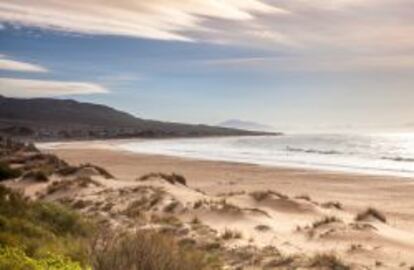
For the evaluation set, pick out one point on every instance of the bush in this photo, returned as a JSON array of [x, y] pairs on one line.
[[8, 173], [145, 251], [60, 220], [16, 259], [39, 228]]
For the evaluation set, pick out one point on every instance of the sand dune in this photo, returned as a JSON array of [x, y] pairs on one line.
[[240, 209]]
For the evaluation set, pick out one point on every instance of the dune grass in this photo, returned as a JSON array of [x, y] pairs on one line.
[[263, 195], [37, 175], [146, 250], [325, 221], [371, 212], [328, 261], [231, 234], [40, 235], [172, 178]]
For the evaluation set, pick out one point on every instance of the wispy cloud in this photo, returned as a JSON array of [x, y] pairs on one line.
[[158, 19], [315, 63], [315, 29], [40, 88], [13, 65]]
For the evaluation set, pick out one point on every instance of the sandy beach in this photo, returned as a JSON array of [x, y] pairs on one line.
[[391, 244]]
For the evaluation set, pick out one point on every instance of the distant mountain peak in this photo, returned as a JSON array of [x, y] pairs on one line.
[[245, 125]]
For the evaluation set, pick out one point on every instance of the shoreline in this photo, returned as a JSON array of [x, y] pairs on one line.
[[307, 190], [216, 177], [115, 145]]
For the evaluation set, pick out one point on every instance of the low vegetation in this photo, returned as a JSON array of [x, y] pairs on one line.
[[37, 175], [325, 221], [39, 235], [99, 169], [231, 234], [304, 197], [171, 207], [72, 170], [262, 228], [64, 185], [170, 178], [147, 250], [224, 206], [371, 213], [332, 205], [263, 195], [17, 259], [198, 204], [6, 172], [328, 261], [32, 231]]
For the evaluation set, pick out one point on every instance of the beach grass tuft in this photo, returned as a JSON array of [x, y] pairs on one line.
[[371, 212]]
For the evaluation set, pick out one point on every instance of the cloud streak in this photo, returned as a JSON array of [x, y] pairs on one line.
[[157, 19], [316, 30], [13, 65], [41, 88]]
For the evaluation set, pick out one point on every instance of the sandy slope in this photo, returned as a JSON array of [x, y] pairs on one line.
[[222, 196]]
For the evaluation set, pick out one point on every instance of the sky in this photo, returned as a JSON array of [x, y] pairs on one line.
[[292, 64]]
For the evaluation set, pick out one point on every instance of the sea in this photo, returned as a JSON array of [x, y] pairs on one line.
[[377, 154]]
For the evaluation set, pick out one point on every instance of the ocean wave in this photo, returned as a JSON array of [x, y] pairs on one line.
[[313, 151]]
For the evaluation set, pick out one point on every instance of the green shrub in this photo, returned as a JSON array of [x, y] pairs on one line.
[[16, 259], [6, 172], [39, 228], [59, 219]]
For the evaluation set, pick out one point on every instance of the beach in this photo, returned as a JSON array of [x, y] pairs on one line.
[[392, 243]]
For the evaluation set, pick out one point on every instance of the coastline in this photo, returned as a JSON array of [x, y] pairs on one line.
[[363, 220], [216, 177]]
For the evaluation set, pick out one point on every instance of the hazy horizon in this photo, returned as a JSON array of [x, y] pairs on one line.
[[298, 65]]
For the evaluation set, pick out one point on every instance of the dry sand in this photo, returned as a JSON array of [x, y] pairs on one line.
[[289, 221]]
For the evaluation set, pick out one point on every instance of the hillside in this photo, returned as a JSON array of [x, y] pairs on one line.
[[45, 118]]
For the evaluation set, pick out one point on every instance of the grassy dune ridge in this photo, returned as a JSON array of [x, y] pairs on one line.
[[56, 215], [38, 234]]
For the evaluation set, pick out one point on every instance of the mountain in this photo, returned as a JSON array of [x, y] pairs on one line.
[[51, 119], [245, 125]]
